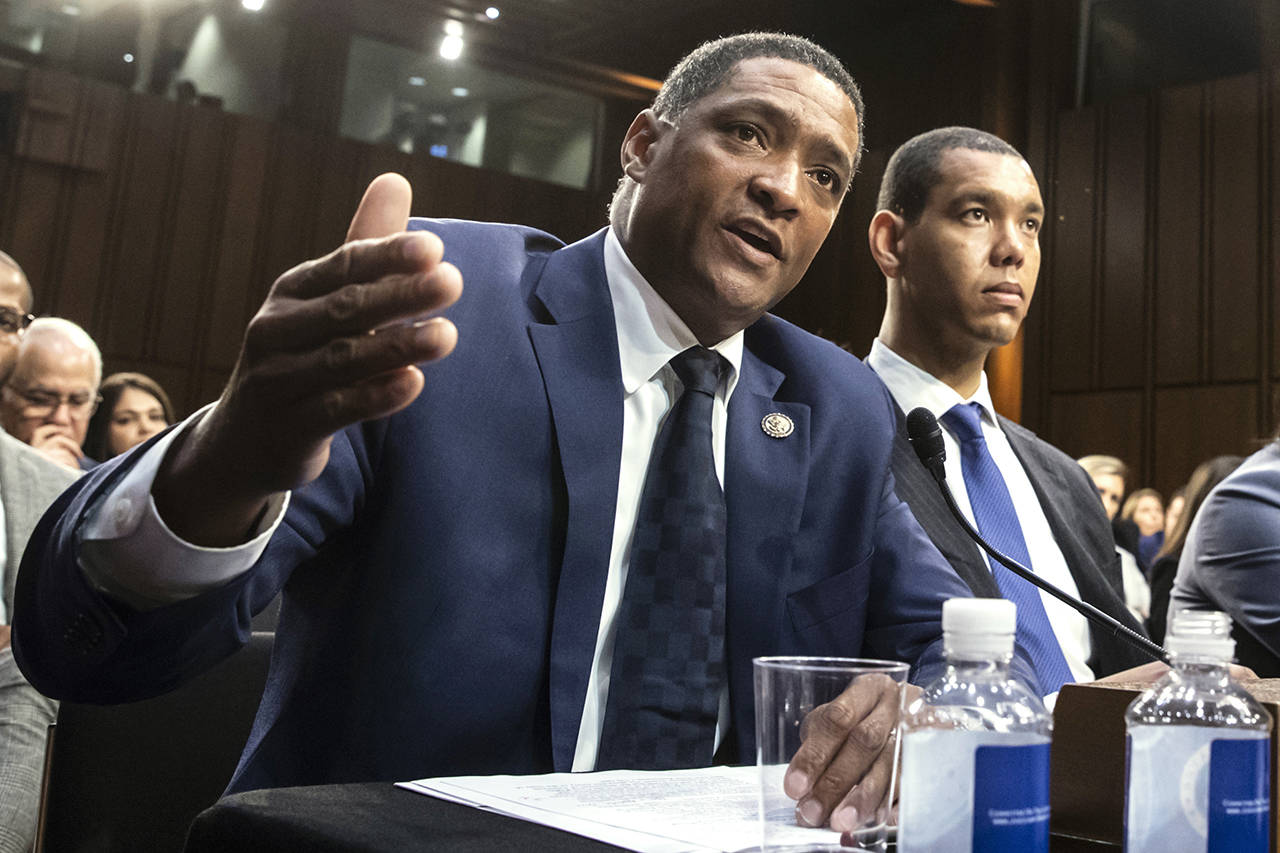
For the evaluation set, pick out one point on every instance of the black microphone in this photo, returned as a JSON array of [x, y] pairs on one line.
[[926, 440]]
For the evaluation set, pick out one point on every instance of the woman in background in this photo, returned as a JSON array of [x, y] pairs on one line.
[[1207, 475], [1145, 508], [134, 407]]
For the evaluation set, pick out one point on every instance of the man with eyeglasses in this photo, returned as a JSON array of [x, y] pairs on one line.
[[28, 484], [53, 390], [15, 308]]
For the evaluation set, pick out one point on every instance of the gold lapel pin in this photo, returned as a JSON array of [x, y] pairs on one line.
[[777, 425]]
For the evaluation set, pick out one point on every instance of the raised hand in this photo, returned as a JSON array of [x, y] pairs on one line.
[[336, 342]]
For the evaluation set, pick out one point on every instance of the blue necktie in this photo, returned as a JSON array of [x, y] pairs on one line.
[[668, 654], [998, 522]]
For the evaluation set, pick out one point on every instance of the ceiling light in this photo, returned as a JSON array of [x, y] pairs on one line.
[[453, 28], [451, 47], [253, 5], [460, 91], [72, 10], [128, 57], [492, 13], [417, 81]]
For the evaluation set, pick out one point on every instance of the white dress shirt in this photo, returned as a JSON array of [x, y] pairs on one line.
[[912, 387], [127, 550]]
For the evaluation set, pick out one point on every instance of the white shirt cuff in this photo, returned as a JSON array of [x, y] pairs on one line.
[[127, 551]]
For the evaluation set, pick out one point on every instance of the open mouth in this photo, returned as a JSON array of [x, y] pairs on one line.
[[753, 240]]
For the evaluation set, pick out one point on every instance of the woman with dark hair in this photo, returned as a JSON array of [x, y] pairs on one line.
[[133, 408], [1203, 479]]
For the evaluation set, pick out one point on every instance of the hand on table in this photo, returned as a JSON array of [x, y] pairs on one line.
[[1149, 673], [842, 770], [336, 342]]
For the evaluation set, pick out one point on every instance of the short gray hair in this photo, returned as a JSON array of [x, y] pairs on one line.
[[71, 332]]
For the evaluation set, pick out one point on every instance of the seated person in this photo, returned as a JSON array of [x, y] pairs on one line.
[[53, 390], [1203, 479], [133, 408], [1108, 474], [472, 551], [1145, 508], [957, 238], [28, 484], [1231, 559]]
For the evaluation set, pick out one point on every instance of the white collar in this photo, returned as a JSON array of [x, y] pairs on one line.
[[650, 333], [912, 387]]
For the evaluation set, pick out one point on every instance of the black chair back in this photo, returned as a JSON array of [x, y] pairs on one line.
[[132, 777]]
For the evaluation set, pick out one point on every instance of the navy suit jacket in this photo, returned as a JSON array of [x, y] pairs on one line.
[[443, 577]]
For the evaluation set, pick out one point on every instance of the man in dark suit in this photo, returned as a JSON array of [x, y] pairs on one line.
[[957, 238], [455, 551]]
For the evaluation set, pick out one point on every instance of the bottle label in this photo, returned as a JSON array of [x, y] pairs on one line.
[[1011, 798], [1239, 799], [974, 792], [1192, 788]]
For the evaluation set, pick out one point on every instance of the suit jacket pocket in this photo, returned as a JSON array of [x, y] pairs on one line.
[[842, 597]]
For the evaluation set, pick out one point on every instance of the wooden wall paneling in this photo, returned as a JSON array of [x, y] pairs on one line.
[[1180, 336], [1097, 422], [32, 210], [342, 181], [173, 378], [1073, 204], [862, 282], [501, 196], [1273, 212], [208, 386], [458, 193], [238, 266], [84, 231], [289, 216], [187, 269], [1235, 218], [143, 228], [425, 178], [88, 223], [47, 123], [98, 119], [1123, 345], [1271, 423], [1195, 423]]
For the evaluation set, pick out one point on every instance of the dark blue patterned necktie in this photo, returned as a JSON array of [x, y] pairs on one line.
[[668, 654], [997, 520]]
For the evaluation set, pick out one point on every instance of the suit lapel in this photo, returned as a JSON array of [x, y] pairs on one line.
[[1048, 483], [1054, 493], [578, 357], [765, 483], [916, 487]]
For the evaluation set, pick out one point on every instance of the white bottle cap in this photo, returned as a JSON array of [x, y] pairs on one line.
[[1202, 634], [979, 627]]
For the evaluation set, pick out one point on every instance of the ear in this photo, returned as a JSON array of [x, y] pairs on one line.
[[885, 237], [637, 146]]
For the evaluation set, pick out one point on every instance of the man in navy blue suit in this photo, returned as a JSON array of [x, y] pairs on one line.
[[451, 534]]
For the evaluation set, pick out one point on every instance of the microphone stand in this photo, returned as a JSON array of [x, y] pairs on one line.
[[1084, 608]]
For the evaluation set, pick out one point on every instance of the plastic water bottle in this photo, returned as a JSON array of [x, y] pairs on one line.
[[975, 746], [1199, 751]]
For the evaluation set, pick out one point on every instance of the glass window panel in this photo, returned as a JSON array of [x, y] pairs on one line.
[[421, 103]]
